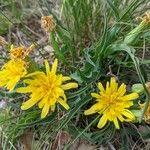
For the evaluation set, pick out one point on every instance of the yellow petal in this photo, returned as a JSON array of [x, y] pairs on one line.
[[113, 84], [59, 80], [108, 114], [43, 101], [34, 73], [54, 66], [121, 90], [24, 89], [64, 97], [59, 91], [112, 81], [128, 114], [102, 122], [95, 95], [107, 88], [47, 67], [120, 118], [69, 86], [2, 83], [92, 110], [116, 123], [28, 81], [63, 103], [29, 103], [52, 101], [45, 110], [66, 78], [53, 107], [12, 83], [101, 88], [131, 96]]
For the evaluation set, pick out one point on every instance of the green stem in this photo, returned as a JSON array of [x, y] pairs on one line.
[[136, 62]]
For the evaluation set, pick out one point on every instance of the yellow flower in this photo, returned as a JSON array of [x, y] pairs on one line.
[[48, 23], [112, 104], [20, 52], [11, 73], [46, 89]]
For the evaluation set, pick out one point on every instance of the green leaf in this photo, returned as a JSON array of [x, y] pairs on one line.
[[114, 8], [102, 43], [55, 45]]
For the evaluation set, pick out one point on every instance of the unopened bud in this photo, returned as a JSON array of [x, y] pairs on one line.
[[135, 33]]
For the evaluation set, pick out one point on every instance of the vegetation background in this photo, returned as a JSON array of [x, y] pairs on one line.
[[90, 45]]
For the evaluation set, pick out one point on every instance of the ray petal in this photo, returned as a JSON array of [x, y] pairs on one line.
[[47, 67], [29, 103], [63, 103], [101, 88], [102, 122], [92, 110], [54, 66], [131, 96], [69, 86], [45, 110], [116, 123]]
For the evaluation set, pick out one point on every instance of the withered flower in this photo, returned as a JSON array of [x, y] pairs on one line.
[[48, 23]]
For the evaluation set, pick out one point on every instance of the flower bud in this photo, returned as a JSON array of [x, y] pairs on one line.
[[133, 35]]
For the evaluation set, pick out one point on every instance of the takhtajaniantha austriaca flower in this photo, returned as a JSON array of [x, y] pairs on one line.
[[12, 72], [46, 89], [15, 68], [112, 104]]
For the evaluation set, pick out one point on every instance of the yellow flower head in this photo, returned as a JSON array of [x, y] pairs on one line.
[[112, 104], [46, 89], [20, 52], [48, 23], [11, 73]]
